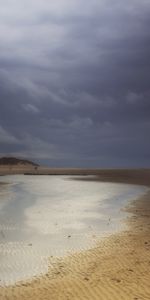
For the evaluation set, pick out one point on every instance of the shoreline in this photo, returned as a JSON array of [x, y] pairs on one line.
[[117, 268], [139, 176]]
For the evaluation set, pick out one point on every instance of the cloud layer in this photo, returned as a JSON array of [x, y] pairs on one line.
[[74, 82]]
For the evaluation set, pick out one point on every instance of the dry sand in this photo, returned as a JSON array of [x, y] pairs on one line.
[[117, 268]]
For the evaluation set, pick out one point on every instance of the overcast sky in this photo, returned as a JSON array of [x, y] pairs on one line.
[[75, 82]]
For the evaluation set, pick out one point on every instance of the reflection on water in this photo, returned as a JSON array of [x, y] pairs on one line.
[[43, 216]]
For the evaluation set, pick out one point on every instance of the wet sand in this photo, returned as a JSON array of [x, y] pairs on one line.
[[117, 268], [134, 176]]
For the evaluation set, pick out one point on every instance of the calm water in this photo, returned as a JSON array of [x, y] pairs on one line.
[[45, 216]]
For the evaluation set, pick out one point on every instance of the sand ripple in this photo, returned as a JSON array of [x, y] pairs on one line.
[[117, 268]]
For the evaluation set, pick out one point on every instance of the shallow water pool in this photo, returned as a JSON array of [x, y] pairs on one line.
[[49, 216]]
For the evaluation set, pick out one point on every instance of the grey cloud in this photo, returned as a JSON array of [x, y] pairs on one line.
[[31, 108], [74, 79], [6, 137]]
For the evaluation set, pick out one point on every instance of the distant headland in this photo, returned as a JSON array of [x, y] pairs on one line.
[[13, 161]]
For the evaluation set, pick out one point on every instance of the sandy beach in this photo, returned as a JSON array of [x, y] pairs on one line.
[[118, 267], [74, 150]]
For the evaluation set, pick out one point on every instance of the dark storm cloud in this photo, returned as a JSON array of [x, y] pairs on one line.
[[74, 81]]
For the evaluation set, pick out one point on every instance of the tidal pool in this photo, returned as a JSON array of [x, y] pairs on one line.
[[42, 217]]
